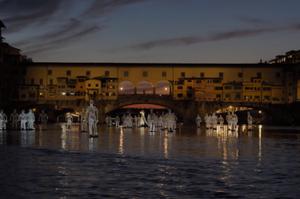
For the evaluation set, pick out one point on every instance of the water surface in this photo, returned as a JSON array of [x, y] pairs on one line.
[[133, 163]]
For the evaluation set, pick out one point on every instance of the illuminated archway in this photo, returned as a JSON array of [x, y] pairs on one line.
[[126, 88], [144, 87], [162, 88]]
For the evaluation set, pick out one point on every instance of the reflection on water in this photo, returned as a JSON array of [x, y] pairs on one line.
[[248, 162], [228, 144]]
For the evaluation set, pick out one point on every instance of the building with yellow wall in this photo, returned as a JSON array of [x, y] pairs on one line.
[[259, 83]]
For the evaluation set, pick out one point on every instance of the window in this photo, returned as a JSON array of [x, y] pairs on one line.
[[41, 82], [88, 73], [68, 73], [164, 74], [89, 85], [126, 74], [258, 75], [221, 75], [179, 95], [97, 85], [202, 75], [182, 74], [218, 88], [106, 73], [145, 73], [51, 81], [179, 87], [32, 81], [49, 72], [240, 75]]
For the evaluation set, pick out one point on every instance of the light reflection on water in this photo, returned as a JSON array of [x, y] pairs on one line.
[[188, 142], [191, 163]]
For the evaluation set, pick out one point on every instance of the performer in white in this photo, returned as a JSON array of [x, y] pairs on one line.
[[198, 121], [92, 115], [171, 121], [143, 120], [117, 121], [14, 117], [69, 119], [83, 120], [249, 119], [23, 120], [30, 120], [151, 121], [3, 120], [221, 120]]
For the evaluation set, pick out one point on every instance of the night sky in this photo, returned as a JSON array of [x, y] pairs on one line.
[[204, 31]]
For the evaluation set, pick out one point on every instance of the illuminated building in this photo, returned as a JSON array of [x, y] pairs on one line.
[[258, 83]]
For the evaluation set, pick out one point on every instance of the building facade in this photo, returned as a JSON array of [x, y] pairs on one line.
[[75, 83]]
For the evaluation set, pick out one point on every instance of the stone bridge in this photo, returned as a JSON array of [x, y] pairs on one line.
[[184, 109]]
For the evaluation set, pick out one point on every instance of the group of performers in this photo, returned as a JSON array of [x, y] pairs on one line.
[[22, 121], [212, 121], [155, 122]]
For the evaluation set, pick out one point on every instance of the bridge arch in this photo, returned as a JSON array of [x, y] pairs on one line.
[[126, 88], [144, 87], [162, 101], [163, 88]]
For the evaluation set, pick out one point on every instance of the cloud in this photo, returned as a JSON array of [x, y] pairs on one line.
[[102, 7], [254, 20], [19, 14], [218, 36], [60, 42], [55, 22]]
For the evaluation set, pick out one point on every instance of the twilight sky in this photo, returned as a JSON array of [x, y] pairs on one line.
[[198, 31]]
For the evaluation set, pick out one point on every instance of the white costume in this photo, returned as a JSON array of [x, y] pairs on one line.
[[23, 120], [30, 120], [69, 120], [249, 119], [171, 121], [92, 116], [142, 121], [198, 121], [83, 120], [151, 121], [3, 120], [117, 121]]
